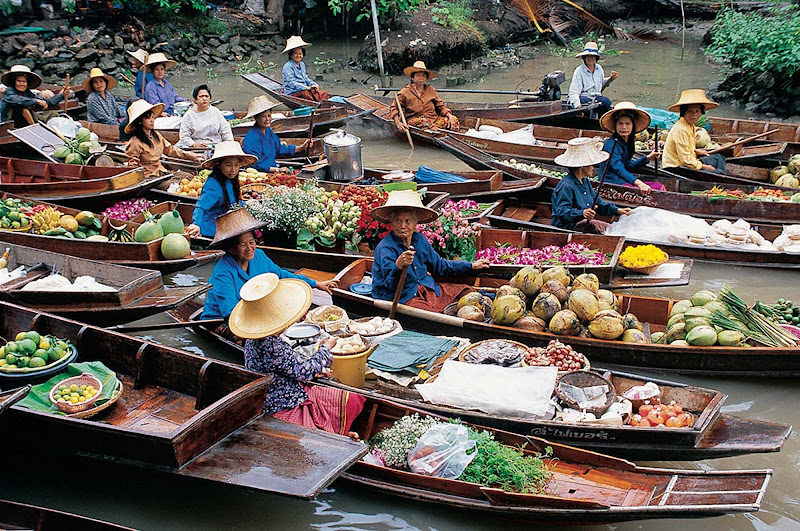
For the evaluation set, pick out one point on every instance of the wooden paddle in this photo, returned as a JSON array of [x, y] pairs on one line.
[[603, 177], [66, 94], [127, 79], [655, 160], [742, 141], [165, 326], [15, 397], [399, 289], [403, 119], [310, 132]]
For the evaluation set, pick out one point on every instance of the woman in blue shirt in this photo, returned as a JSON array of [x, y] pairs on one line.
[[159, 90], [573, 197], [295, 80], [262, 142], [138, 59], [101, 106], [404, 247]]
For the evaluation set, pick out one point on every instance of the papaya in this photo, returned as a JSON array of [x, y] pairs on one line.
[[79, 235], [58, 231], [85, 218]]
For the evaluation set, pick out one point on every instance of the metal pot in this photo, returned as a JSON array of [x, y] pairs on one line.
[[343, 152], [302, 334]]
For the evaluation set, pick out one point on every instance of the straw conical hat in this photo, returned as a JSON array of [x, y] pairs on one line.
[[258, 105], [9, 77], [581, 151], [641, 120], [418, 66], [233, 224], [269, 305], [590, 48], [693, 97], [139, 55], [155, 58], [229, 148], [96, 72], [138, 108], [295, 41], [404, 200]]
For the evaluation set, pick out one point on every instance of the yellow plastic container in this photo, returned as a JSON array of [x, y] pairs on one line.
[[350, 369]]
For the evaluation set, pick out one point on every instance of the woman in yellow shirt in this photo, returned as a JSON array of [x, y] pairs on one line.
[[680, 149]]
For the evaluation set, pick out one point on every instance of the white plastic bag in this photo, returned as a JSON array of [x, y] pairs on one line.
[[442, 451]]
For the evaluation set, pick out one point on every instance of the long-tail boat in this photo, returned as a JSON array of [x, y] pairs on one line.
[[180, 414], [16, 515]]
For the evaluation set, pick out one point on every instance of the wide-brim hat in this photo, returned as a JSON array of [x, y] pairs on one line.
[[641, 120], [590, 48], [96, 72], [269, 306], [9, 77], [233, 224], [155, 58], [419, 66], [140, 55], [229, 148], [404, 200], [582, 151], [258, 105], [693, 97], [295, 41], [137, 109]]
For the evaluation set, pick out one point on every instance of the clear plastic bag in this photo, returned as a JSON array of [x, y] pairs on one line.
[[442, 452]]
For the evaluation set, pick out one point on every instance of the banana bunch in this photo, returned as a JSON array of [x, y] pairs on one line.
[[120, 235], [46, 220]]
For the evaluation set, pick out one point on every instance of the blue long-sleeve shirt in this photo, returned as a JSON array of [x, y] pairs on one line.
[[295, 78], [265, 146], [141, 80], [228, 278], [26, 100], [211, 204], [386, 275], [163, 92], [571, 197], [620, 163], [104, 110]]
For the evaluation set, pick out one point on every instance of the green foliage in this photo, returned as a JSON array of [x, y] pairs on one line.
[[455, 14], [162, 9], [69, 6], [389, 11], [244, 67], [7, 8], [210, 74]]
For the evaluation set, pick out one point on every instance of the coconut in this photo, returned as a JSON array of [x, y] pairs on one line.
[[697, 311], [556, 288], [715, 306], [545, 306], [657, 337], [607, 324], [794, 164], [565, 323], [472, 313], [607, 300], [642, 136], [680, 307], [730, 338], [777, 172], [702, 297], [679, 343], [676, 332], [675, 319], [559, 273], [531, 323], [584, 303], [702, 138], [507, 309], [633, 336], [587, 281], [508, 289], [529, 280], [631, 322], [61, 152], [702, 336], [788, 181], [693, 322], [471, 299]]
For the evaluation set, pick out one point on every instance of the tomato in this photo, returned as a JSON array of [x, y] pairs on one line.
[[673, 422], [655, 418], [645, 409]]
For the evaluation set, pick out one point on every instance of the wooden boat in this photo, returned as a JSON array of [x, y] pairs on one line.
[[180, 414], [739, 127], [275, 90], [139, 292], [16, 515], [719, 361], [133, 254], [584, 487]]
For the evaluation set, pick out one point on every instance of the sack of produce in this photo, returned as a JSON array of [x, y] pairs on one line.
[[331, 318], [442, 452]]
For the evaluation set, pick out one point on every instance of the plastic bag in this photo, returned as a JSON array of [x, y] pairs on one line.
[[442, 452]]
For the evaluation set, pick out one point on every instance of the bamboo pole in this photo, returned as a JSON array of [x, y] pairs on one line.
[[376, 28], [403, 119], [66, 94]]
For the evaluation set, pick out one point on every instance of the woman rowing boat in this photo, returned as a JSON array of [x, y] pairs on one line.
[[421, 104], [681, 149]]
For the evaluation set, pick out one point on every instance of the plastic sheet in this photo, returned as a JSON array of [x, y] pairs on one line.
[[442, 451], [522, 136]]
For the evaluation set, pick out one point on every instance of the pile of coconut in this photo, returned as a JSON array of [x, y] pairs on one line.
[[552, 301]]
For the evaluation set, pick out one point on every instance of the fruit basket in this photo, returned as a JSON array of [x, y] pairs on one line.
[[353, 325], [85, 379], [105, 405], [463, 356], [585, 379]]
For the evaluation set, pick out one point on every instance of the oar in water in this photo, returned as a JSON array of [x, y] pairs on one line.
[[655, 147], [165, 326], [15, 397], [742, 141]]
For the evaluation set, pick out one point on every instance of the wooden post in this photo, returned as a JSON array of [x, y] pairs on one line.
[[66, 94], [377, 30]]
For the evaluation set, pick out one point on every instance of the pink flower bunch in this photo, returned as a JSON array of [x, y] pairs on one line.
[[451, 235], [571, 254]]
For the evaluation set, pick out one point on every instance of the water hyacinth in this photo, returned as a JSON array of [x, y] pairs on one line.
[[128, 209], [572, 253]]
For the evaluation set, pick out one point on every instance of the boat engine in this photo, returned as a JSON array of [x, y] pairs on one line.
[[551, 86]]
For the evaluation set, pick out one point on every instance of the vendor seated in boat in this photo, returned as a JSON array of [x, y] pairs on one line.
[[269, 306], [159, 90], [146, 144], [203, 125], [138, 59], [573, 197], [242, 261], [20, 103], [421, 104], [295, 79], [262, 142], [589, 81], [681, 149], [101, 106], [624, 122], [404, 247]]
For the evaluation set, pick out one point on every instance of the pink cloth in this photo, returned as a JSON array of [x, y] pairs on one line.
[[426, 298], [327, 408]]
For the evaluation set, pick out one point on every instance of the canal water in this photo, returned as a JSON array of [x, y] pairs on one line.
[[652, 75]]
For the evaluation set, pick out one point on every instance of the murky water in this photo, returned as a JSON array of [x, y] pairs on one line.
[[652, 75]]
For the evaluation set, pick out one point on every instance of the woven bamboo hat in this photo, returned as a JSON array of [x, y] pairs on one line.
[[295, 41], [258, 105], [419, 66], [137, 109], [9, 77], [693, 97], [140, 55], [233, 224], [641, 120], [590, 48], [404, 200], [229, 148], [269, 306], [581, 151], [96, 72], [155, 58]]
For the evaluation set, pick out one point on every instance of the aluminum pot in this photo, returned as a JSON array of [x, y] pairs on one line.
[[343, 152]]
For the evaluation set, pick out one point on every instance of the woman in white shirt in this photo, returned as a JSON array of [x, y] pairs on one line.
[[203, 125]]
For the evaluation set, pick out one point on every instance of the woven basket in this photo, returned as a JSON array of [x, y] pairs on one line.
[[105, 405], [367, 346], [585, 379], [585, 367], [319, 316], [83, 379], [463, 354], [452, 310], [395, 324], [646, 270]]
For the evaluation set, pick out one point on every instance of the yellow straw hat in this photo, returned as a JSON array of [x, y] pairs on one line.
[[96, 72], [140, 55], [419, 66], [641, 120], [269, 306], [693, 97], [229, 148], [9, 77], [404, 200], [155, 58], [137, 109], [590, 48], [295, 41], [258, 105], [581, 151], [233, 224]]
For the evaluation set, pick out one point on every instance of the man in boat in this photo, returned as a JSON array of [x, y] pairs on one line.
[[20, 103], [421, 104], [262, 142], [295, 79], [138, 59], [405, 248], [681, 149], [589, 81], [573, 198]]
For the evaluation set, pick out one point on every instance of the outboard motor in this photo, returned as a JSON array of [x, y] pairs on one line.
[[551, 86]]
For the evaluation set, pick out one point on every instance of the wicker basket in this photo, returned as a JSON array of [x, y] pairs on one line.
[[585, 367], [105, 405], [395, 324], [319, 316], [585, 379], [452, 310], [367, 346], [463, 354], [83, 379], [646, 270]]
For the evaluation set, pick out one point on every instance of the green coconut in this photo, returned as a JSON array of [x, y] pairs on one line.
[[587, 281], [693, 322], [678, 331], [730, 338], [702, 138], [545, 306], [507, 309], [675, 319], [73, 158], [657, 337], [607, 324], [788, 181], [702, 297], [697, 311], [679, 343], [702, 336], [83, 135], [715, 306], [584, 303], [148, 231], [471, 299], [565, 323], [680, 307], [529, 280], [777, 172], [508, 289], [84, 148], [61, 152], [794, 163]]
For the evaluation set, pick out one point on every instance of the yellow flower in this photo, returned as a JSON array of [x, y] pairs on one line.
[[641, 256]]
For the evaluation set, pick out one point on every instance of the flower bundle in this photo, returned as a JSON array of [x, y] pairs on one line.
[[641, 256], [451, 235], [572, 253], [395, 443], [128, 209], [284, 209]]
